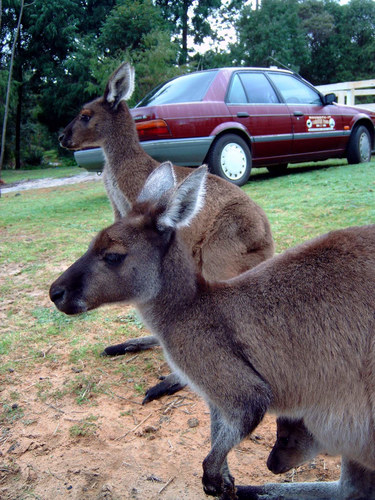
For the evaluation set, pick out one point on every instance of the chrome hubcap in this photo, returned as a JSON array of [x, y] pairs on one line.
[[364, 147], [233, 161]]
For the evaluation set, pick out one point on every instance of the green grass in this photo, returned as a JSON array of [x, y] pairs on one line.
[[314, 198], [43, 231], [10, 176]]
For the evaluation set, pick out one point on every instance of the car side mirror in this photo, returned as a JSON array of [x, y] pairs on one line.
[[329, 99]]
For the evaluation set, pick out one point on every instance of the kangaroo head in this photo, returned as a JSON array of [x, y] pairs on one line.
[[98, 120], [294, 446], [124, 261]]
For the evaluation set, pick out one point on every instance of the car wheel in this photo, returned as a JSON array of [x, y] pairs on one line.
[[359, 147], [230, 158], [277, 169]]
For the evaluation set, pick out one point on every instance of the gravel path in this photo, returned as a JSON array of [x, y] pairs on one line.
[[49, 182]]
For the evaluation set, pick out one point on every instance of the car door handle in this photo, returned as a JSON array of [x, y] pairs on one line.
[[298, 113], [242, 114]]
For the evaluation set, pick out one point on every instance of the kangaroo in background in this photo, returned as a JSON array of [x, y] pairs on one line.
[[294, 335], [232, 234]]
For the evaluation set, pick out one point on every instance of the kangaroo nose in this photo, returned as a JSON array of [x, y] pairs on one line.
[[61, 137], [56, 294]]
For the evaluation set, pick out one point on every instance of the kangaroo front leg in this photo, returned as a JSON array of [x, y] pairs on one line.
[[227, 431], [216, 423], [132, 345]]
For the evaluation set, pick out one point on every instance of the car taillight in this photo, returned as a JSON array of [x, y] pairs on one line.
[[153, 129]]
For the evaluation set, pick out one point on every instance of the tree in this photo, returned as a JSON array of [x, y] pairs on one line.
[[188, 17], [272, 31], [341, 39], [50, 34], [126, 25], [7, 99], [359, 54]]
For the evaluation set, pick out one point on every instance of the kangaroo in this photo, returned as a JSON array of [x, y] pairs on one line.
[[294, 335], [294, 446], [230, 236]]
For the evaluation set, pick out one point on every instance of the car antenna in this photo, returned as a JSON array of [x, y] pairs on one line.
[[284, 66]]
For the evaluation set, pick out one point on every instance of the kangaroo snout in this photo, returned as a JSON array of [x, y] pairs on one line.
[[56, 294]]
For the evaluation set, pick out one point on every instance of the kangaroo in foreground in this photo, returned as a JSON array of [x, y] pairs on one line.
[[231, 235], [295, 335]]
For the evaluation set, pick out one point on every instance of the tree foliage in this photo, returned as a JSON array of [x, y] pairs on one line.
[[67, 48], [273, 32]]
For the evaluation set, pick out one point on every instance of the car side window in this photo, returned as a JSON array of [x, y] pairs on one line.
[[258, 88], [253, 88], [236, 93], [295, 91]]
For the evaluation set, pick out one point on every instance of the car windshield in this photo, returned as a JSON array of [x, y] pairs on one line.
[[187, 88]]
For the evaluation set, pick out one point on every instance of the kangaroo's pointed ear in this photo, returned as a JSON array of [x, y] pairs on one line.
[[185, 202], [120, 86], [161, 180]]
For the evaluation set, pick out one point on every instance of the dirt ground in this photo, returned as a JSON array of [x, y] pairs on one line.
[[114, 448]]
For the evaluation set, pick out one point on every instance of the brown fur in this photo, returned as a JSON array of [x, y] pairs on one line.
[[295, 335], [231, 235]]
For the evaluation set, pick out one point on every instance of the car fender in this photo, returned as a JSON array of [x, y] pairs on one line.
[[363, 119], [232, 127]]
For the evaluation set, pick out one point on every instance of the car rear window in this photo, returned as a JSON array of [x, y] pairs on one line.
[[187, 88]]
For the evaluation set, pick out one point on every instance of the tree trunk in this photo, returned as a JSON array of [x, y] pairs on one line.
[[17, 151], [6, 107], [184, 20]]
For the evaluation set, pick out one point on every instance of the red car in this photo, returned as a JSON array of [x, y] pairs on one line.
[[234, 119]]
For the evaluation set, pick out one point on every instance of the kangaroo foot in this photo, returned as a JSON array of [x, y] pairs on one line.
[[168, 386]]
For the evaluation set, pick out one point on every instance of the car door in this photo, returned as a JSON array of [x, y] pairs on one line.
[[252, 101], [317, 128]]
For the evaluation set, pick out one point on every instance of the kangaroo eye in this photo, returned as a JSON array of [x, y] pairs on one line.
[[114, 259], [85, 118], [283, 441]]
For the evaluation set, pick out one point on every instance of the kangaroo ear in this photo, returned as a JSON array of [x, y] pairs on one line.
[[120, 86], [185, 202], [161, 180]]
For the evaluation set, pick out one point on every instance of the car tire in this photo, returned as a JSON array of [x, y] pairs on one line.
[[230, 158], [277, 169], [359, 146]]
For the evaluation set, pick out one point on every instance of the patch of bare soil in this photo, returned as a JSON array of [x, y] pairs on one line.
[[115, 448]]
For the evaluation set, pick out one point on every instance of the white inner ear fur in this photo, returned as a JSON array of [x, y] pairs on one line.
[[186, 202], [121, 86], [161, 180]]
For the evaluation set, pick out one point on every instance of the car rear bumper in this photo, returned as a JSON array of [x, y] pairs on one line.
[[185, 152]]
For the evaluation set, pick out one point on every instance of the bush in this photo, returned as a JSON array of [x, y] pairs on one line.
[[33, 156]]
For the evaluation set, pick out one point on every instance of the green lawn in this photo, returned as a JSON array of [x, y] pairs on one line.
[[312, 199], [43, 231]]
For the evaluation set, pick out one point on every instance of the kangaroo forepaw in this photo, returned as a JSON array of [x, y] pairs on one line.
[[115, 350], [217, 486], [229, 493], [132, 345], [166, 387]]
